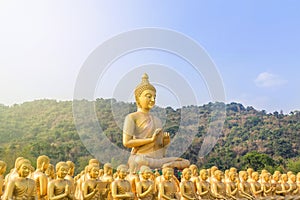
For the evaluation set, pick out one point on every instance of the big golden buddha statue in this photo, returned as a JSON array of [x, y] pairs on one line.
[[144, 134]]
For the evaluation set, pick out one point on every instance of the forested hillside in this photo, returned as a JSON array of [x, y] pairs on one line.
[[249, 138]]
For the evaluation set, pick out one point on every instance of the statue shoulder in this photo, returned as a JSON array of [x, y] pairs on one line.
[[132, 116]]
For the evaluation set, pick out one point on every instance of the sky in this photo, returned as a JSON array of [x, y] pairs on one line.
[[254, 45]]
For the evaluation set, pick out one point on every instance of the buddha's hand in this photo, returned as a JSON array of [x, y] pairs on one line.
[[151, 188], [130, 194], [166, 139], [155, 134], [96, 190]]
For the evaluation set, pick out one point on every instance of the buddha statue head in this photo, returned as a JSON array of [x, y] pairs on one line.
[[93, 170], [141, 88], [23, 167], [43, 162], [71, 168], [62, 169]]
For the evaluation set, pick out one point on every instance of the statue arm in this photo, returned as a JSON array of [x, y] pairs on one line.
[[282, 191], [215, 191], [296, 191], [115, 194], [9, 191], [51, 194], [141, 194], [231, 193], [43, 185], [162, 192], [183, 193], [243, 192], [253, 189], [129, 142], [265, 190], [199, 189]]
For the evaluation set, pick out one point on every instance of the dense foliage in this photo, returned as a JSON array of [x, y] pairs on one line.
[[249, 138]]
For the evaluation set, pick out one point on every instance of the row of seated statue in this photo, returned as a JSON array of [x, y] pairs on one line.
[[95, 183]]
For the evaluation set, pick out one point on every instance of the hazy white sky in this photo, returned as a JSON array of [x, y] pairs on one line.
[[255, 46]]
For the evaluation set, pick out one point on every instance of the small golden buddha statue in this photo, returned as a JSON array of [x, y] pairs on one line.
[[143, 133], [133, 178], [294, 190], [278, 192], [218, 187], [187, 188], [13, 172], [145, 188], [231, 185], [203, 186], [107, 177], [195, 175], [268, 188], [21, 187], [40, 177], [120, 187], [84, 176], [71, 174], [167, 187], [59, 188], [256, 187], [286, 187], [244, 186], [90, 190]]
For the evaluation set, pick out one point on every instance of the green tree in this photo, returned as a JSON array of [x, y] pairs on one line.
[[257, 161]]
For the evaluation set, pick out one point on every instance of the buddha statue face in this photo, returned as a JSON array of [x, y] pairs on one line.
[[24, 169], [107, 169], [245, 176], [218, 175], [255, 176], [122, 173], [232, 176], [168, 174], [194, 169], [94, 172], [147, 99], [204, 174], [293, 178], [276, 177], [62, 171], [266, 177], [284, 178], [146, 174], [187, 174]]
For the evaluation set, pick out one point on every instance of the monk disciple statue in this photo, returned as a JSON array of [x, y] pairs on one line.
[[21, 187], [144, 134]]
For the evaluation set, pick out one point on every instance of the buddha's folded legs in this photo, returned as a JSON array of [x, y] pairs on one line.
[[173, 162]]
